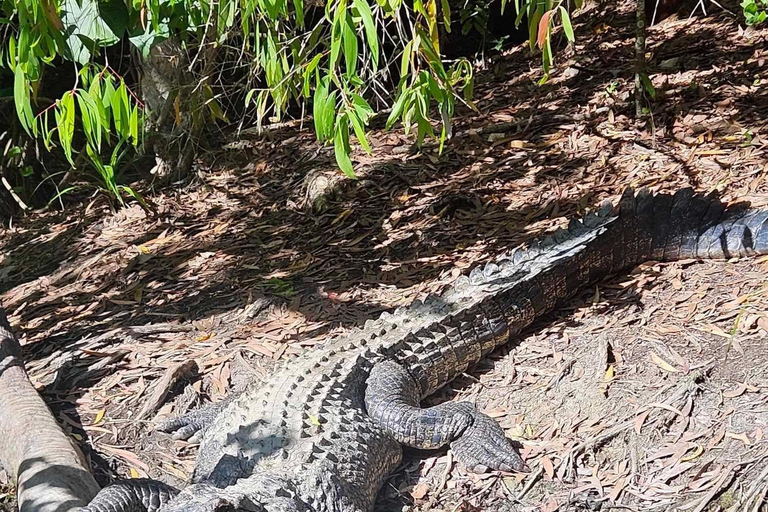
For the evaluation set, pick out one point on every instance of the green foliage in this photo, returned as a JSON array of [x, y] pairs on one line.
[[542, 16], [329, 54], [755, 11]]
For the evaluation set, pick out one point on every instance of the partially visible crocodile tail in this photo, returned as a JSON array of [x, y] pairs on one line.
[[687, 225]]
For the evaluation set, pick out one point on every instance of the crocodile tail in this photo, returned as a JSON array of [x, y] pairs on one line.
[[687, 226]]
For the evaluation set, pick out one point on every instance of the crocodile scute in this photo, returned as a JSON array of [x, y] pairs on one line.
[[324, 431]]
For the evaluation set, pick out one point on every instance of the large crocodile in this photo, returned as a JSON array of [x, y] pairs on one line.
[[322, 433]]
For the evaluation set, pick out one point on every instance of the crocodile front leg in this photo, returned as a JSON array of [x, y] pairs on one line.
[[192, 425], [477, 442]]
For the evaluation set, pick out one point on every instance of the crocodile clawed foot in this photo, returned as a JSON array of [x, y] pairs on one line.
[[192, 426], [483, 446], [137, 495]]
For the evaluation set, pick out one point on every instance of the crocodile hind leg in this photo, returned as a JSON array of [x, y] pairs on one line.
[[477, 441], [136, 495]]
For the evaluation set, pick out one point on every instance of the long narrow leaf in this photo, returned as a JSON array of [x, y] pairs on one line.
[[341, 147], [364, 10]]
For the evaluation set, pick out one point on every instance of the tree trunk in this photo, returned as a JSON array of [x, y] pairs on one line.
[[48, 470], [639, 58], [166, 85]]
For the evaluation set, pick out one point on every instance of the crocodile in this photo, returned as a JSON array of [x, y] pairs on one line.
[[324, 431]]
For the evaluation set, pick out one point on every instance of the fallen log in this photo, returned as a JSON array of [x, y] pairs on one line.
[[49, 471]]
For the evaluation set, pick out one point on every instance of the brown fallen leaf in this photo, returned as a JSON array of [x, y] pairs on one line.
[[739, 437], [549, 468], [420, 491], [617, 488], [639, 420], [655, 359]]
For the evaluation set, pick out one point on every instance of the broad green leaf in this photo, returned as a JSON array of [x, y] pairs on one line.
[[87, 27], [145, 40], [114, 14], [567, 27], [341, 147], [364, 10]]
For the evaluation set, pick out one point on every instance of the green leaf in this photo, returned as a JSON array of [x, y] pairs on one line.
[[357, 124], [138, 197], [447, 14], [329, 114], [65, 191], [88, 28], [249, 96], [397, 108], [298, 5], [318, 106], [114, 14], [364, 10], [341, 146], [648, 85], [308, 72], [149, 38], [363, 109], [21, 99], [337, 31], [134, 125], [12, 53], [65, 120], [533, 26], [405, 60], [567, 27], [120, 111], [350, 45], [87, 118]]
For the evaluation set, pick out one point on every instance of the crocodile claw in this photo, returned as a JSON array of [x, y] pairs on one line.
[[483, 446], [192, 425]]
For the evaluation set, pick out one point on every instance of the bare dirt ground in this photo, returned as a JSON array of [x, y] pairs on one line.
[[648, 392]]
